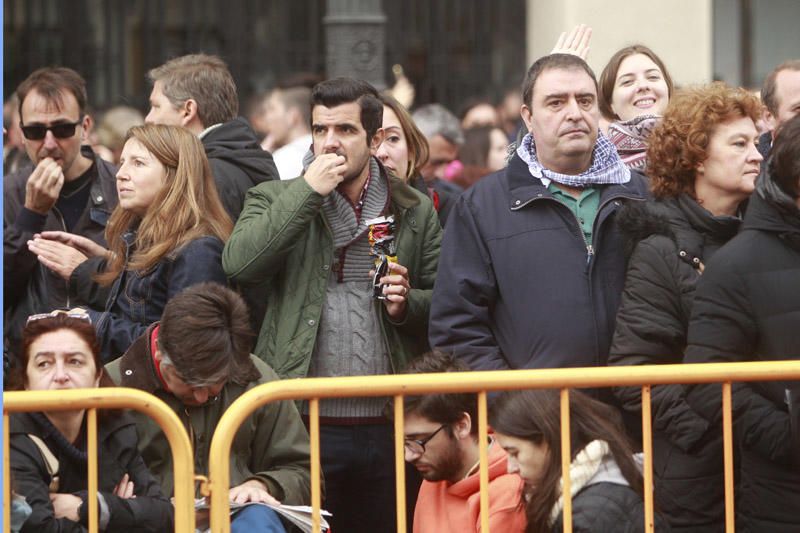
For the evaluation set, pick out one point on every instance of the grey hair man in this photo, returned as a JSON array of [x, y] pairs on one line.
[[197, 361], [197, 91], [442, 130]]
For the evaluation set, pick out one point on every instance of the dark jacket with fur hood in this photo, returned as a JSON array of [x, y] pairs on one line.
[[669, 241]]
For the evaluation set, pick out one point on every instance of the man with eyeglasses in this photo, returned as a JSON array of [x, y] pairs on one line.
[[441, 442], [197, 360], [66, 188]]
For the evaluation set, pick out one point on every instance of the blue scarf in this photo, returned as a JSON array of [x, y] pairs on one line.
[[606, 168]]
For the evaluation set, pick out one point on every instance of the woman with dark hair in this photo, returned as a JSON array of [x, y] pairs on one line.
[[166, 234], [484, 151], [703, 163], [48, 450], [606, 481], [635, 88], [747, 308]]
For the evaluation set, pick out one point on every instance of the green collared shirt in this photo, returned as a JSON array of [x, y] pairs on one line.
[[584, 207]]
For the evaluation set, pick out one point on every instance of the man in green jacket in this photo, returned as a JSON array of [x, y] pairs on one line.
[[310, 242], [197, 361]]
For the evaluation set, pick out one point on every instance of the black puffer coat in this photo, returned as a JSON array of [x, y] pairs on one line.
[[117, 455], [608, 508], [747, 308], [671, 240], [238, 162]]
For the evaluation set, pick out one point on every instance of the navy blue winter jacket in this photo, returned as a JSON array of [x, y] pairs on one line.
[[518, 286], [138, 299]]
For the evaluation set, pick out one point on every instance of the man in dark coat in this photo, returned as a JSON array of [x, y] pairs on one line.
[[197, 91], [532, 268], [747, 308], [66, 188]]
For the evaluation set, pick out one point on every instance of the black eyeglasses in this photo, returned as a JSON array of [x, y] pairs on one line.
[[62, 130], [417, 447]]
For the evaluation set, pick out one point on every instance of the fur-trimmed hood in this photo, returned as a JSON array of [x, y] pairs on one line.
[[694, 230]]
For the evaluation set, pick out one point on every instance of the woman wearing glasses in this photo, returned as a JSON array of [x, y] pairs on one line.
[[48, 450], [605, 479], [166, 234]]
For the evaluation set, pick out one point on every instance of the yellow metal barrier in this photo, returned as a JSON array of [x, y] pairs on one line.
[[482, 382], [109, 398]]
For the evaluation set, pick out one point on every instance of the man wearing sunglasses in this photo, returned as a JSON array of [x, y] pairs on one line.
[[66, 188], [441, 442]]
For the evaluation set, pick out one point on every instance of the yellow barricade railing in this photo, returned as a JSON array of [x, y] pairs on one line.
[[398, 386], [108, 398]]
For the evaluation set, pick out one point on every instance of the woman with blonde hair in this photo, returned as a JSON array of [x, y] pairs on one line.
[[166, 234]]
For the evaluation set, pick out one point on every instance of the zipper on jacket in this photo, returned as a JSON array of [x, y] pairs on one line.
[[64, 228]]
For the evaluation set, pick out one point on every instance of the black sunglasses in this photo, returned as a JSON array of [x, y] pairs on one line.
[[62, 130]]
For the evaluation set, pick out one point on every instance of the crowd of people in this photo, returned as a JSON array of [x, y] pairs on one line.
[[194, 255]]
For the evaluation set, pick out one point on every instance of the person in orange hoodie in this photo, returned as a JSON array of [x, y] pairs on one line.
[[441, 442]]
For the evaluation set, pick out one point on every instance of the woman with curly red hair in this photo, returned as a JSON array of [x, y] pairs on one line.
[[702, 162]]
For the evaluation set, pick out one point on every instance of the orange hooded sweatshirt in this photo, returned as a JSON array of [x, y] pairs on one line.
[[455, 508]]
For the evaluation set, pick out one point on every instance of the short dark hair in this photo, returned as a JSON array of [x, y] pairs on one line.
[[203, 78], [205, 333], [36, 328], [50, 82], [441, 408], [768, 89], [784, 160], [609, 76], [549, 62], [343, 90]]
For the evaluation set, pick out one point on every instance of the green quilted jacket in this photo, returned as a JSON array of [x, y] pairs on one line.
[[282, 240]]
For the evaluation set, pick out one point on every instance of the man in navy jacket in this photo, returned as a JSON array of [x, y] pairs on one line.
[[532, 264]]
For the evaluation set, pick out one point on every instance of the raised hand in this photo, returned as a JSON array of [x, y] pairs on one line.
[[576, 43]]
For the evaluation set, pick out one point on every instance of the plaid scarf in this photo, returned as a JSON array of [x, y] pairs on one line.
[[606, 168], [630, 138]]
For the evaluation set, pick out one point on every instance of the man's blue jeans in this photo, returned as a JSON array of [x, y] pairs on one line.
[[257, 519]]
